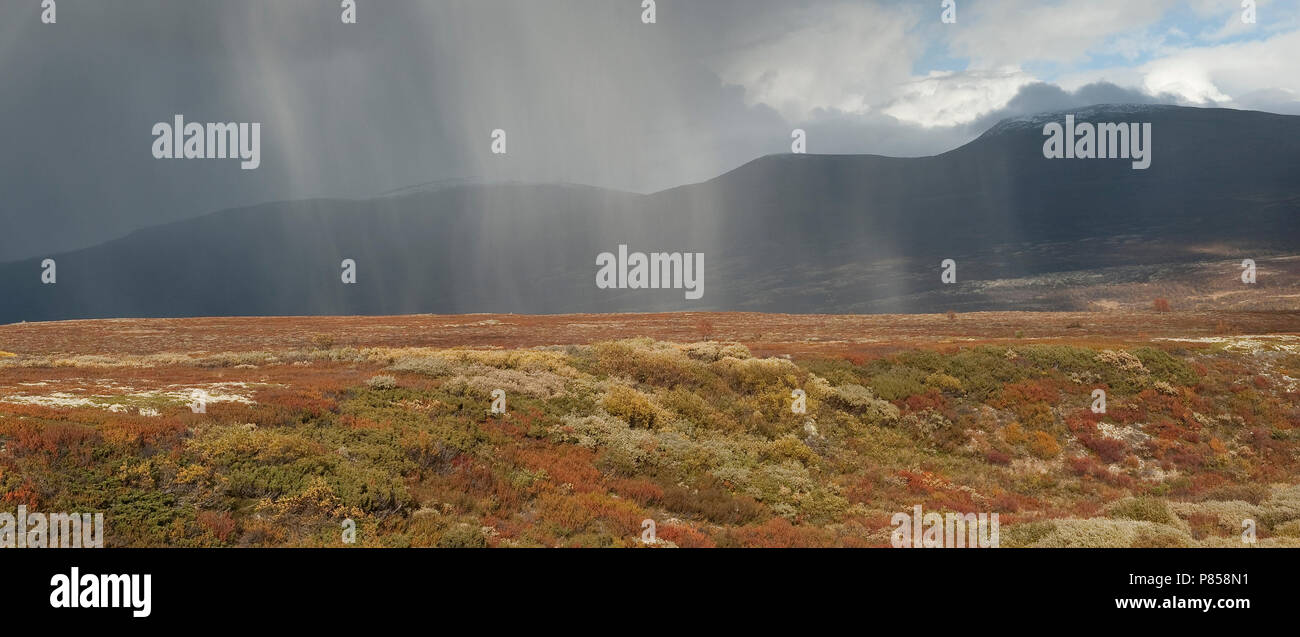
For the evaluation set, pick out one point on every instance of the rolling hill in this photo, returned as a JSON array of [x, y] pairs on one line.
[[783, 233]]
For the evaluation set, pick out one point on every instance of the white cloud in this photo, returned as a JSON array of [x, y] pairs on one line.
[[844, 58], [946, 98], [1210, 74], [1186, 79], [836, 58]]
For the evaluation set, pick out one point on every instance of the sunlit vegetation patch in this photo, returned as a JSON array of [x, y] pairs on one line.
[[699, 438]]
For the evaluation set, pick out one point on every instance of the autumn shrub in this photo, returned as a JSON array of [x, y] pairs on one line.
[[788, 448], [712, 351], [1043, 445], [899, 382], [645, 361], [565, 465], [1164, 366], [1110, 450], [260, 532], [537, 359], [757, 374], [1036, 416], [698, 437], [1107, 533], [1014, 434], [862, 401], [931, 400], [684, 536], [1145, 508], [944, 382], [712, 502], [1159, 537], [1290, 529], [218, 523], [1251, 493], [463, 536], [434, 366], [838, 371], [982, 370], [994, 456], [632, 406], [1013, 395], [697, 409], [1026, 534], [932, 426], [639, 490], [1087, 466], [480, 381], [774, 533]]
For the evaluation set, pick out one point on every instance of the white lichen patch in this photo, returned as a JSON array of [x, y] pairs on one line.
[[1132, 435], [122, 399], [56, 399], [209, 393], [1249, 344]]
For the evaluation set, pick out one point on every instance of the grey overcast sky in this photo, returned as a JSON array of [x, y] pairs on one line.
[[585, 91]]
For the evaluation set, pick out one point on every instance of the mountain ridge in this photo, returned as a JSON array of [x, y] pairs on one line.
[[782, 233]]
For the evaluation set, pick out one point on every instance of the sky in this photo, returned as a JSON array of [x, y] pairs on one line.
[[585, 91]]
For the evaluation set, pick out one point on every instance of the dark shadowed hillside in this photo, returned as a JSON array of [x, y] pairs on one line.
[[790, 233]]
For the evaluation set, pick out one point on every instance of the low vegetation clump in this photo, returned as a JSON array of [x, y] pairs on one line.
[[718, 445]]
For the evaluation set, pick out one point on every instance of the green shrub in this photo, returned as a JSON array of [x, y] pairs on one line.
[[899, 382], [462, 536], [1164, 366]]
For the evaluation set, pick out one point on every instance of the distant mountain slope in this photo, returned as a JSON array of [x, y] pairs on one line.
[[793, 233]]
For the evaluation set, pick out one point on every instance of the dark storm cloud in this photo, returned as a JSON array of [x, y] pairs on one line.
[[408, 95]]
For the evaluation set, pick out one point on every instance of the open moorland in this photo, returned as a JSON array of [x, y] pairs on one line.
[[685, 419]]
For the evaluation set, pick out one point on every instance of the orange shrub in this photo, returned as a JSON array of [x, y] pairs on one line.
[[684, 537], [638, 490], [141, 430], [24, 494], [993, 456], [1043, 445], [623, 518], [565, 514], [1108, 449], [1014, 434], [1016, 394], [219, 523], [775, 533], [569, 464]]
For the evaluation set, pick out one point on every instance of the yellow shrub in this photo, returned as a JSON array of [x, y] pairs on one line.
[[943, 382], [631, 406], [1043, 445], [791, 448]]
